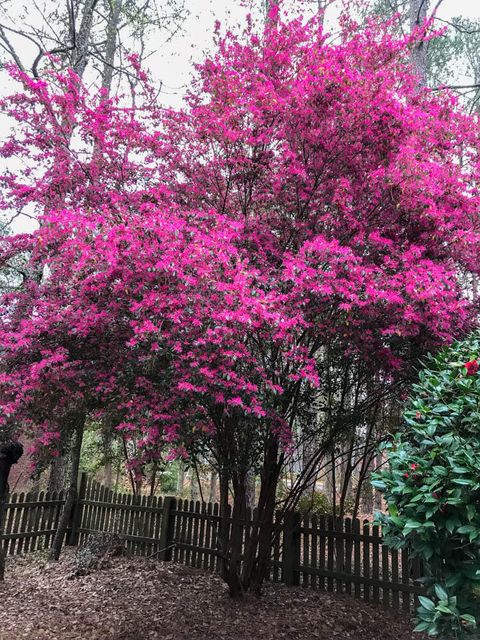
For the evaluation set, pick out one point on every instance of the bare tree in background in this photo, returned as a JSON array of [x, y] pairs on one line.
[[448, 61], [81, 33]]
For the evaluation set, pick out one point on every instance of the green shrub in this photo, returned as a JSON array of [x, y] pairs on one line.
[[432, 488], [169, 478], [315, 503]]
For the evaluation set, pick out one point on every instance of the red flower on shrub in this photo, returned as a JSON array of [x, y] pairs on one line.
[[414, 466], [405, 475], [472, 367]]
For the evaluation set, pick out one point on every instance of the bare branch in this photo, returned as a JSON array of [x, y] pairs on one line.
[[436, 8], [456, 86], [52, 52], [23, 34], [458, 27], [10, 49]]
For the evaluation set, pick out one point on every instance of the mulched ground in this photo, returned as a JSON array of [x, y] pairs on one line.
[[141, 599]]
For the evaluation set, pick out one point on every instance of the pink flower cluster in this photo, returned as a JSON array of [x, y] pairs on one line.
[[197, 263]]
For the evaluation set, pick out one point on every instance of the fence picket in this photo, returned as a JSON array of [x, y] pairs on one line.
[[348, 553], [122, 516], [152, 548], [314, 550], [394, 579], [96, 508], [23, 523], [305, 550], [339, 552], [85, 519], [323, 547], [405, 581], [201, 536], [183, 533], [109, 511], [357, 570], [207, 562], [177, 530], [9, 542], [142, 526], [386, 591], [376, 563], [130, 523], [330, 553], [366, 560], [214, 557], [50, 516], [188, 554], [195, 534], [29, 538]]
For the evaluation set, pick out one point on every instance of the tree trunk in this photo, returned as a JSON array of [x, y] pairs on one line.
[[193, 485], [378, 496], [153, 479], [111, 45], [347, 479], [250, 497], [72, 493], [476, 109], [212, 492], [56, 478], [256, 562], [117, 478], [108, 474], [10, 454], [82, 38], [418, 17], [224, 533], [322, 6], [233, 576], [334, 484], [309, 450], [328, 487]]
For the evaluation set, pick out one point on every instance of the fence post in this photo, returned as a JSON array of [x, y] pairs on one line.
[[76, 518], [167, 528], [291, 548]]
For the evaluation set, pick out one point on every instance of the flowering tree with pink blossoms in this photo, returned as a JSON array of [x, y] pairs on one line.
[[201, 266]]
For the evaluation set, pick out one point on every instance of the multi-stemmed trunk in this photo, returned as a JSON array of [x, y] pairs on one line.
[[245, 560]]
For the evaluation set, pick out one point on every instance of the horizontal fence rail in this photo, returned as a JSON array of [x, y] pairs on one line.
[[321, 552]]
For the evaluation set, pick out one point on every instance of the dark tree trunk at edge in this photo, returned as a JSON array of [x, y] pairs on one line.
[[10, 454]]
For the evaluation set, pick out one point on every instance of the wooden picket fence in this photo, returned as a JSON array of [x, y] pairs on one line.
[[346, 556]]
